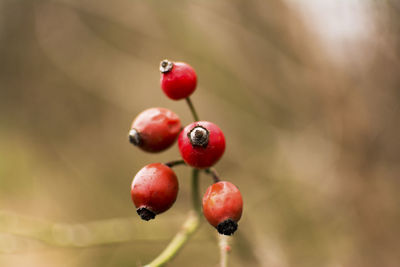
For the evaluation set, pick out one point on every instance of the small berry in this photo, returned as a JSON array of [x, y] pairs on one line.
[[201, 144], [155, 129], [222, 206], [154, 189], [178, 79]]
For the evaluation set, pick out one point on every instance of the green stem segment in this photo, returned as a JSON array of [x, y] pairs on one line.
[[192, 109], [213, 173], [189, 227], [195, 192], [175, 163]]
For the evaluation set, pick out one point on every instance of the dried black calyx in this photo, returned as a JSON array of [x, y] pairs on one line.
[[166, 66], [199, 136], [227, 227], [134, 137], [145, 214]]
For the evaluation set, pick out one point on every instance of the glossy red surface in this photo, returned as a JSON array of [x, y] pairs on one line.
[[222, 201], [155, 187], [198, 156], [180, 82], [158, 128]]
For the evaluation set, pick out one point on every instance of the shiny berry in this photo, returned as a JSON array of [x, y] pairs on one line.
[[201, 144], [155, 129], [154, 189], [222, 207], [178, 79]]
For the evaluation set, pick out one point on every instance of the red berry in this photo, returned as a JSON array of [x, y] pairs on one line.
[[178, 79], [154, 190], [155, 129], [201, 144], [222, 206]]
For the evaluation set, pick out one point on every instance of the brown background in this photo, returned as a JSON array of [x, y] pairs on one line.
[[312, 127]]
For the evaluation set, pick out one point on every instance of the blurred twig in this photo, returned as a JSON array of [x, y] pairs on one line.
[[95, 233]]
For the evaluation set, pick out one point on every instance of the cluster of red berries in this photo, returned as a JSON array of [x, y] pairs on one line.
[[201, 144]]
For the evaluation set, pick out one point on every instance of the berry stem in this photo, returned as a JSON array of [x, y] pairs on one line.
[[192, 109], [195, 192], [175, 163], [224, 249], [213, 173], [189, 227]]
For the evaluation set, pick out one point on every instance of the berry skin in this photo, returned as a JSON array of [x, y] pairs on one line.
[[154, 189], [222, 206], [155, 129], [201, 144], [178, 79]]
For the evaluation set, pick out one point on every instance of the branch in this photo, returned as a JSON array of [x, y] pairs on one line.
[[189, 227]]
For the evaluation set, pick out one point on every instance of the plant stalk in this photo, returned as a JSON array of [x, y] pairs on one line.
[[224, 249], [189, 227], [213, 173], [175, 163], [192, 109]]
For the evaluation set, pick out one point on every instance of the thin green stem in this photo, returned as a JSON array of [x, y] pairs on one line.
[[192, 109], [213, 173], [195, 191], [175, 163], [189, 227]]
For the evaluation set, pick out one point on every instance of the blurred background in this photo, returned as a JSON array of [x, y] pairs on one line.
[[306, 92]]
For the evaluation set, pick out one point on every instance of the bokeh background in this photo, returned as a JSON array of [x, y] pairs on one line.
[[307, 93]]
